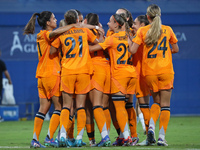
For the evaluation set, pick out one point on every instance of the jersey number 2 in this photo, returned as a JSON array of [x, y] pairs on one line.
[[119, 48], [68, 55]]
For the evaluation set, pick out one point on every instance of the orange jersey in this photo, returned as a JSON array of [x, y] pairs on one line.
[[109, 33], [99, 56], [117, 45], [76, 57], [157, 58], [48, 64], [137, 60]]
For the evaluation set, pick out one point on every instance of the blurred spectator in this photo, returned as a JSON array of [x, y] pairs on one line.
[[4, 70]]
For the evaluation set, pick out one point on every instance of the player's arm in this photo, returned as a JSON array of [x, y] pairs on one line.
[[61, 30], [175, 48], [173, 41], [133, 47], [7, 75], [95, 47], [101, 36], [100, 29], [53, 50]]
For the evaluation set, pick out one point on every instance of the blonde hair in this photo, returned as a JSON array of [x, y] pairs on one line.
[[154, 33], [62, 23]]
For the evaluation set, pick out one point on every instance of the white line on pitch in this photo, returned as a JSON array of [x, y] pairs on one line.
[[14, 147]]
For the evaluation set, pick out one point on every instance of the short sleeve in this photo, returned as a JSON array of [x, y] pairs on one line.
[[91, 36], [56, 43], [107, 42], [173, 38], [109, 33], [47, 36]]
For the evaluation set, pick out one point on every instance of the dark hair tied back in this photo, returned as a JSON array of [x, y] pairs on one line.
[[42, 19], [92, 19], [128, 15], [123, 17], [38, 14]]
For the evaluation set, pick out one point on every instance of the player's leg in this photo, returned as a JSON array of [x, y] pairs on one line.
[[152, 82], [54, 122], [140, 116], [81, 117], [164, 116], [106, 110], [132, 119], [96, 97], [122, 116], [166, 86], [38, 121], [83, 86], [40, 115], [90, 123]]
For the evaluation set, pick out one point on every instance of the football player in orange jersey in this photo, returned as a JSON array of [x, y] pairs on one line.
[[48, 74], [70, 132], [100, 85], [89, 121], [157, 67], [123, 75], [75, 75], [129, 98], [142, 90]]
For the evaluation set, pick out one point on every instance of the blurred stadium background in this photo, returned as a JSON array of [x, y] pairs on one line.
[[20, 52]]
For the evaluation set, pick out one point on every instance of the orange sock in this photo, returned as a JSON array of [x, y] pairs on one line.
[[81, 122], [70, 132], [146, 113], [90, 131], [38, 122], [108, 118], [154, 114], [54, 122], [164, 119], [132, 119], [122, 116], [64, 121], [100, 120]]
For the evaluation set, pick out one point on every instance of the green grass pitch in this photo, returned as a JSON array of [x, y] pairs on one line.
[[182, 133]]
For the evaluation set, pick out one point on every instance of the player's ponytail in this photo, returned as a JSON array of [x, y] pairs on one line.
[[30, 26], [154, 33], [127, 27], [129, 17], [43, 17]]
